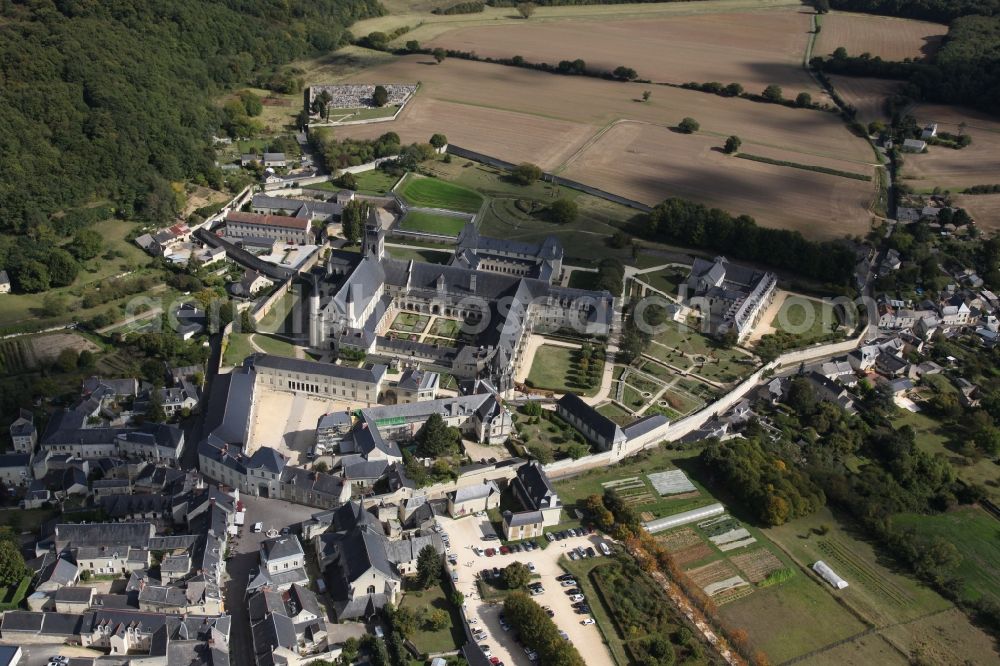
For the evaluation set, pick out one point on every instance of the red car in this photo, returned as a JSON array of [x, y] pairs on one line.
[[490, 552], [504, 550], [495, 661]]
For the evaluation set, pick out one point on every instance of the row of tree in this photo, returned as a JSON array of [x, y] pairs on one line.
[[681, 222], [539, 632]]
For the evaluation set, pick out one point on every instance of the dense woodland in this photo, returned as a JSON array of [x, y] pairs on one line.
[[108, 103], [941, 11], [695, 225], [965, 71]]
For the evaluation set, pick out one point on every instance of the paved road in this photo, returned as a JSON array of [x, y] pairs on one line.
[[274, 514]]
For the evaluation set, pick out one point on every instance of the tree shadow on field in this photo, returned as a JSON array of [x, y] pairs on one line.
[[435, 63]]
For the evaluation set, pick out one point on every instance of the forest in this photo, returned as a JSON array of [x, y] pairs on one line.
[[941, 11], [694, 225], [107, 103]]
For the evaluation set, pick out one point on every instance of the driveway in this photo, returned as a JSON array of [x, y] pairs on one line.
[[275, 514], [468, 532]]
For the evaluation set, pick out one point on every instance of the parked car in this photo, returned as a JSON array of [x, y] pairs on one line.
[[591, 552], [576, 597], [604, 548], [589, 620], [257, 527], [566, 576], [490, 552], [564, 635], [531, 567], [573, 590], [573, 556], [569, 582], [490, 537], [504, 550]]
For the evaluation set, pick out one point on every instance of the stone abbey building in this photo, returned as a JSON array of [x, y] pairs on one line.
[[501, 291]]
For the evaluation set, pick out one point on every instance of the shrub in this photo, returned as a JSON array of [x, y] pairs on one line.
[[689, 126]]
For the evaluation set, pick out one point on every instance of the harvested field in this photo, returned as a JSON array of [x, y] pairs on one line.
[[713, 573], [984, 209], [883, 36], [940, 166], [27, 352], [757, 564], [663, 163], [866, 95], [755, 49], [691, 554], [507, 134], [680, 539], [486, 107]]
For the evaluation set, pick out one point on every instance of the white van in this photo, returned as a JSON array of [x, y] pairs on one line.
[[257, 527]]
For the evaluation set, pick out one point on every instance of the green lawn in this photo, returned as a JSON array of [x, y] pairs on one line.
[[806, 318], [436, 193], [419, 255], [934, 438], [410, 322], [583, 280], [878, 593], [666, 281], [238, 347], [446, 328], [556, 369], [274, 346], [551, 434], [976, 535], [375, 181], [281, 316], [426, 639], [432, 223], [616, 413], [791, 619]]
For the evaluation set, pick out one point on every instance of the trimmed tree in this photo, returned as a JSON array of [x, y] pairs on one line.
[[439, 55], [515, 575], [733, 144], [428, 566], [439, 140], [773, 93], [435, 438], [381, 96], [689, 126], [563, 211], [526, 173], [803, 99], [526, 9], [12, 568]]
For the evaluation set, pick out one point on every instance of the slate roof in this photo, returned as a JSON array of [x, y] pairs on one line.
[[537, 485], [280, 221], [24, 425], [477, 491], [74, 594], [601, 424], [17, 620], [228, 410], [645, 426], [11, 460], [136, 535], [281, 547], [371, 373], [523, 518], [267, 459]]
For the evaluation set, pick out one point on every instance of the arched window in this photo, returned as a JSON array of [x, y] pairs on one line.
[[371, 589]]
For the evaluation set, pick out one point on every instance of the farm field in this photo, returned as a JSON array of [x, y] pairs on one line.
[[679, 49], [417, 15], [932, 437], [940, 166], [867, 95], [898, 606], [984, 209], [976, 535], [464, 98], [435, 193], [663, 163], [432, 223], [886, 37]]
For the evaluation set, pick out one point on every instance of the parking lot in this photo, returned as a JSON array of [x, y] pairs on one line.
[[467, 533]]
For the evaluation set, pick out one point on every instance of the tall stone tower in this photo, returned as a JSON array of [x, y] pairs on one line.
[[374, 241]]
